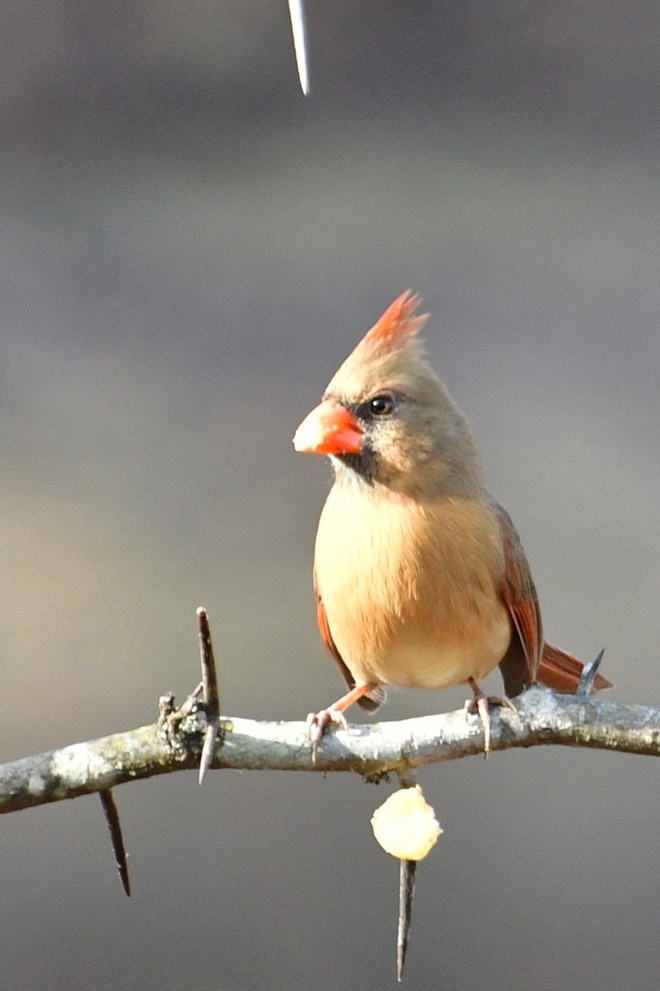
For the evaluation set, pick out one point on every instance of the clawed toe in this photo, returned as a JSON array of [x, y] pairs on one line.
[[480, 705], [318, 723]]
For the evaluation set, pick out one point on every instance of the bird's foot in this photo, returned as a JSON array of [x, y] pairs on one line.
[[318, 723], [480, 705]]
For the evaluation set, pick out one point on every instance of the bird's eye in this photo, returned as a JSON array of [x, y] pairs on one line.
[[382, 405]]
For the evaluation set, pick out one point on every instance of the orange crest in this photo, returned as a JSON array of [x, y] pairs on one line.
[[396, 326]]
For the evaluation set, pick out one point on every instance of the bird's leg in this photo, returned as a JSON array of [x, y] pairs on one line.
[[318, 722], [480, 705]]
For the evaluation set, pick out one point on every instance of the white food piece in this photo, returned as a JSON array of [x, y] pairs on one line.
[[405, 825]]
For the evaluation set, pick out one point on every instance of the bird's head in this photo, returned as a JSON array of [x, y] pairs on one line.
[[387, 418]]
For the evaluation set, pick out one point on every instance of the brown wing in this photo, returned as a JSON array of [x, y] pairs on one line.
[[528, 658], [519, 666], [376, 697]]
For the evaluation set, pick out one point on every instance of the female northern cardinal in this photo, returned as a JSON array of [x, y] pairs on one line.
[[420, 576]]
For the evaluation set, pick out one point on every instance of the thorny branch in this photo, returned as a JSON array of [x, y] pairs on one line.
[[540, 717], [196, 736]]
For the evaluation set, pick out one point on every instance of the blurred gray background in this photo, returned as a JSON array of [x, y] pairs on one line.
[[189, 250]]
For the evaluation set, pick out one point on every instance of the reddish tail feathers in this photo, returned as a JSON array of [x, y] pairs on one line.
[[560, 671]]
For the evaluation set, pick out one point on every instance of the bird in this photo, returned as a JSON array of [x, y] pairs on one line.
[[420, 576]]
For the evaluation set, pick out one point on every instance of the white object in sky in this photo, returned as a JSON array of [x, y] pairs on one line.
[[297, 14]]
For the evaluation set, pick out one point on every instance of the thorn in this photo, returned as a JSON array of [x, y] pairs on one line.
[[210, 736], [297, 15], [210, 695], [112, 818], [588, 676], [407, 777], [407, 875]]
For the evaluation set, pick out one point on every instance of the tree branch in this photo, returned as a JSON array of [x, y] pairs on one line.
[[541, 717]]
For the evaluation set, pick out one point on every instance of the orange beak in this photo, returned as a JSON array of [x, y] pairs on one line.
[[329, 429]]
